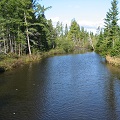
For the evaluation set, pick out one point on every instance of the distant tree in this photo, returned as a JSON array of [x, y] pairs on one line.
[[74, 32], [66, 30], [84, 36], [59, 29], [51, 35]]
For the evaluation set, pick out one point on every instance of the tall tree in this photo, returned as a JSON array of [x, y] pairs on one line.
[[109, 41], [40, 10], [74, 32], [66, 30], [111, 25]]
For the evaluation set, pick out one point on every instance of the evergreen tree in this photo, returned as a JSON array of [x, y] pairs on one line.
[[59, 29], [51, 35], [22, 26], [111, 25], [110, 38], [74, 32], [66, 30]]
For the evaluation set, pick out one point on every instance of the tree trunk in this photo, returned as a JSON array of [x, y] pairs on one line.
[[15, 48], [4, 46], [19, 49], [27, 34], [4, 41], [10, 42], [7, 47]]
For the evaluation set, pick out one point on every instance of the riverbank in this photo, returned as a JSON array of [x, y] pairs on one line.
[[9, 62], [113, 60]]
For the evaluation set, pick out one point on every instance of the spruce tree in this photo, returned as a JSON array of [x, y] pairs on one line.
[[74, 32], [111, 25], [66, 30]]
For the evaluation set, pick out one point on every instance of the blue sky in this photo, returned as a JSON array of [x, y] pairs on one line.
[[88, 13]]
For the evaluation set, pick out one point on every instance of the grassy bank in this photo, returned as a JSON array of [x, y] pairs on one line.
[[11, 62], [113, 60], [8, 62]]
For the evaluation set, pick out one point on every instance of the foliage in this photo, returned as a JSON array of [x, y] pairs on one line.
[[23, 27], [73, 38], [108, 42], [116, 50]]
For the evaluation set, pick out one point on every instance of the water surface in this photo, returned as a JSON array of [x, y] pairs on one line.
[[69, 87]]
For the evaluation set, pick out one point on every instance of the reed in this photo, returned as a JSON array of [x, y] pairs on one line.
[[8, 62], [113, 60]]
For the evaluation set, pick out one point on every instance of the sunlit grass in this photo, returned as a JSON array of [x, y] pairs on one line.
[[9, 62], [113, 60]]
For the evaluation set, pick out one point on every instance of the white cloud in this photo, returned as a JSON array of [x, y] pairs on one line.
[[66, 22], [90, 24], [55, 19]]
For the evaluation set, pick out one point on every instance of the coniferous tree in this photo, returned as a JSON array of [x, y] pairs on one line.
[[109, 39], [74, 32], [22, 25], [111, 25], [66, 30]]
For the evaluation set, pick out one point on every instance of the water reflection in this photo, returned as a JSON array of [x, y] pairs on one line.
[[78, 86], [112, 92]]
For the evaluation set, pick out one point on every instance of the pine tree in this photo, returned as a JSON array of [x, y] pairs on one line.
[[66, 30], [109, 40], [74, 32], [111, 25]]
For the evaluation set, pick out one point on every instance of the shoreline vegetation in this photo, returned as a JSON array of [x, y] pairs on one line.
[[113, 60], [108, 43], [9, 62], [27, 36]]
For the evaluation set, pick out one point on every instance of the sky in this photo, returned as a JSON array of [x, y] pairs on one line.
[[88, 13]]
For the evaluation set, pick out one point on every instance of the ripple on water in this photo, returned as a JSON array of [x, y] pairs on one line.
[[71, 87]]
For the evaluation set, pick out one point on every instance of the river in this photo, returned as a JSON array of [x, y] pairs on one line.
[[68, 87]]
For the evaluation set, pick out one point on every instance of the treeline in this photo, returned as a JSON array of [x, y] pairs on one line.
[[24, 29], [73, 38], [109, 37]]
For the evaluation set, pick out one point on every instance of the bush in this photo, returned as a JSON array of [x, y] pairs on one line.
[[67, 46]]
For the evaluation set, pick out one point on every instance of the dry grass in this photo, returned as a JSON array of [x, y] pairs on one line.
[[10, 62], [113, 60]]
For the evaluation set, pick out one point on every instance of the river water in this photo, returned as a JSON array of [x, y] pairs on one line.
[[69, 87]]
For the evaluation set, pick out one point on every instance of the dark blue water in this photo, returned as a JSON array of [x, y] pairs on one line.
[[70, 87]]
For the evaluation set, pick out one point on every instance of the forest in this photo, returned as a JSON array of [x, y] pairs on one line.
[[24, 30], [108, 41]]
